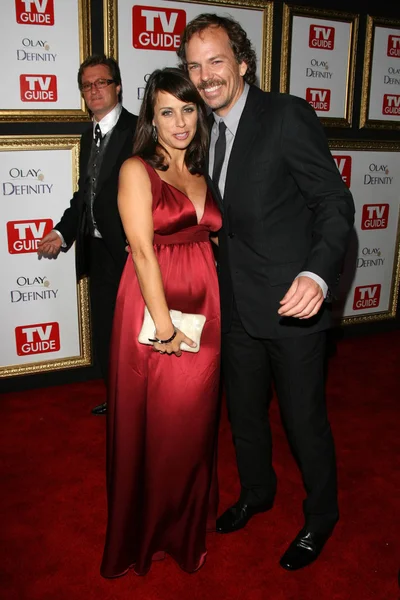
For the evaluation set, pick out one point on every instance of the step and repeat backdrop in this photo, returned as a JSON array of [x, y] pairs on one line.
[[45, 321], [42, 43], [147, 35], [369, 284], [45, 314]]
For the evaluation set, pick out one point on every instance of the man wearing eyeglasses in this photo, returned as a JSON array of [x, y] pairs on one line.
[[92, 219]]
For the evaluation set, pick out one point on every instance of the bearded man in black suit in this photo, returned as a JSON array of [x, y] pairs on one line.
[[92, 219], [287, 216]]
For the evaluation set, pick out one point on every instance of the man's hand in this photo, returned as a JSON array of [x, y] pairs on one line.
[[50, 245], [302, 300]]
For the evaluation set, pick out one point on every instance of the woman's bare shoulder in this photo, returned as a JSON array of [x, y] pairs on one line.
[[134, 167]]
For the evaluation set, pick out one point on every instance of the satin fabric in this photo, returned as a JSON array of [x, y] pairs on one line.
[[163, 410]]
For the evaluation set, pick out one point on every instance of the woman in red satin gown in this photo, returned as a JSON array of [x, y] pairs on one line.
[[163, 403]]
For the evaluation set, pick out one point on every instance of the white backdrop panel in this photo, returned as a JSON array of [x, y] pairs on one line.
[[144, 27], [36, 186], [374, 180]]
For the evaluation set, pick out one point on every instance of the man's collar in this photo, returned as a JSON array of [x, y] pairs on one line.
[[109, 121], [232, 119]]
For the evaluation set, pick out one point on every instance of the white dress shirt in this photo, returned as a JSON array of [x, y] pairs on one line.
[[109, 121]]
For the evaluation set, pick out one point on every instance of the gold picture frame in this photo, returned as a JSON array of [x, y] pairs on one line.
[[67, 114], [291, 11], [356, 146], [365, 120], [264, 53], [55, 143]]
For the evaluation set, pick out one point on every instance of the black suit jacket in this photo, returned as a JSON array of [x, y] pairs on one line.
[[285, 210], [73, 222]]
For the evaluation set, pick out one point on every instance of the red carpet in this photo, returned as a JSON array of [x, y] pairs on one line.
[[53, 501]]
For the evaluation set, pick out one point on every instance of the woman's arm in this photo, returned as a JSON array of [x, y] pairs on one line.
[[214, 239], [135, 207]]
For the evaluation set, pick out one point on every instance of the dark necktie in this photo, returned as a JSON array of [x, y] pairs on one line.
[[97, 135], [219, 153]]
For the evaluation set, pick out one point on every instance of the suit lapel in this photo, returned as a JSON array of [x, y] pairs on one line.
[[214, 191], [86, 143], [116, 142], [247, 131]]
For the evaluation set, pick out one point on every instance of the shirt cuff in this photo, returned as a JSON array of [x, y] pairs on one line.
[[60, 235], [317, 279]]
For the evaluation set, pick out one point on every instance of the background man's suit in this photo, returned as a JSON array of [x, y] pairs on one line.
[[285, 210], [102, 259]]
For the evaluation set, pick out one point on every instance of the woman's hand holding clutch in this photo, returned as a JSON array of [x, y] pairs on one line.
[[174, 346], [192, 324]]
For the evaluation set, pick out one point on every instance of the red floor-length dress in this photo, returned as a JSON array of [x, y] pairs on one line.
[[163, 410]]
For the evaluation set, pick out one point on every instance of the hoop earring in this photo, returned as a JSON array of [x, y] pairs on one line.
[[154, 134]]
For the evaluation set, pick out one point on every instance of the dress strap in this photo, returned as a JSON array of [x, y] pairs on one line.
[[155, 179]]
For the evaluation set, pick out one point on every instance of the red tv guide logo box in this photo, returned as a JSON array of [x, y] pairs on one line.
[[375, 216], [393, 48], [367, 296], [157, 28], [322, 37], [319, 99], [35, 12], [391, 104], [24, 236], [343, 163], [38, 88], [38, 338]]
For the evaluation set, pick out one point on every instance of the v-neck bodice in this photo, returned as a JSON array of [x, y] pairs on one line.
[[174, 214]]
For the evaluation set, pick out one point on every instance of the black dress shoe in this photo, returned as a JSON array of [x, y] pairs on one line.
[[305, 548], [238, 516], [101, 409]]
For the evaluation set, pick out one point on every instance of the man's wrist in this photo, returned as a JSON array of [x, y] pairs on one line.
[[60, 235], [322, 284]]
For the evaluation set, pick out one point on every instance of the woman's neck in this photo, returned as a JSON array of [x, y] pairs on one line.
[[176, 160]]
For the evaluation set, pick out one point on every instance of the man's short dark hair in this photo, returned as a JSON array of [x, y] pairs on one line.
[[240, 43], [101, 59], [177, 83]]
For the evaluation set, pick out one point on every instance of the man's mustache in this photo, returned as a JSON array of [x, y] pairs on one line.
[[210, 83]]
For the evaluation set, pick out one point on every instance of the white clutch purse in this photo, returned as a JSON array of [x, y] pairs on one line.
[[190, 324]]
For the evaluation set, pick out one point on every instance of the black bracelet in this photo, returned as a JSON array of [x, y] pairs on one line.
[[173, 336]]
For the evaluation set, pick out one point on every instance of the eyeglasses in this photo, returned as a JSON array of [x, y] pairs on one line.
[[98, 84]]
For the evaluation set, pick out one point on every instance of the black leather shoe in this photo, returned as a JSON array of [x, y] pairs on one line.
[[238, 516], [305, 548], [101, 409]]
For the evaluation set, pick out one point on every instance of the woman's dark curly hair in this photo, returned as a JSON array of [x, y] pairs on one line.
[[177, 83], [240, 43]]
